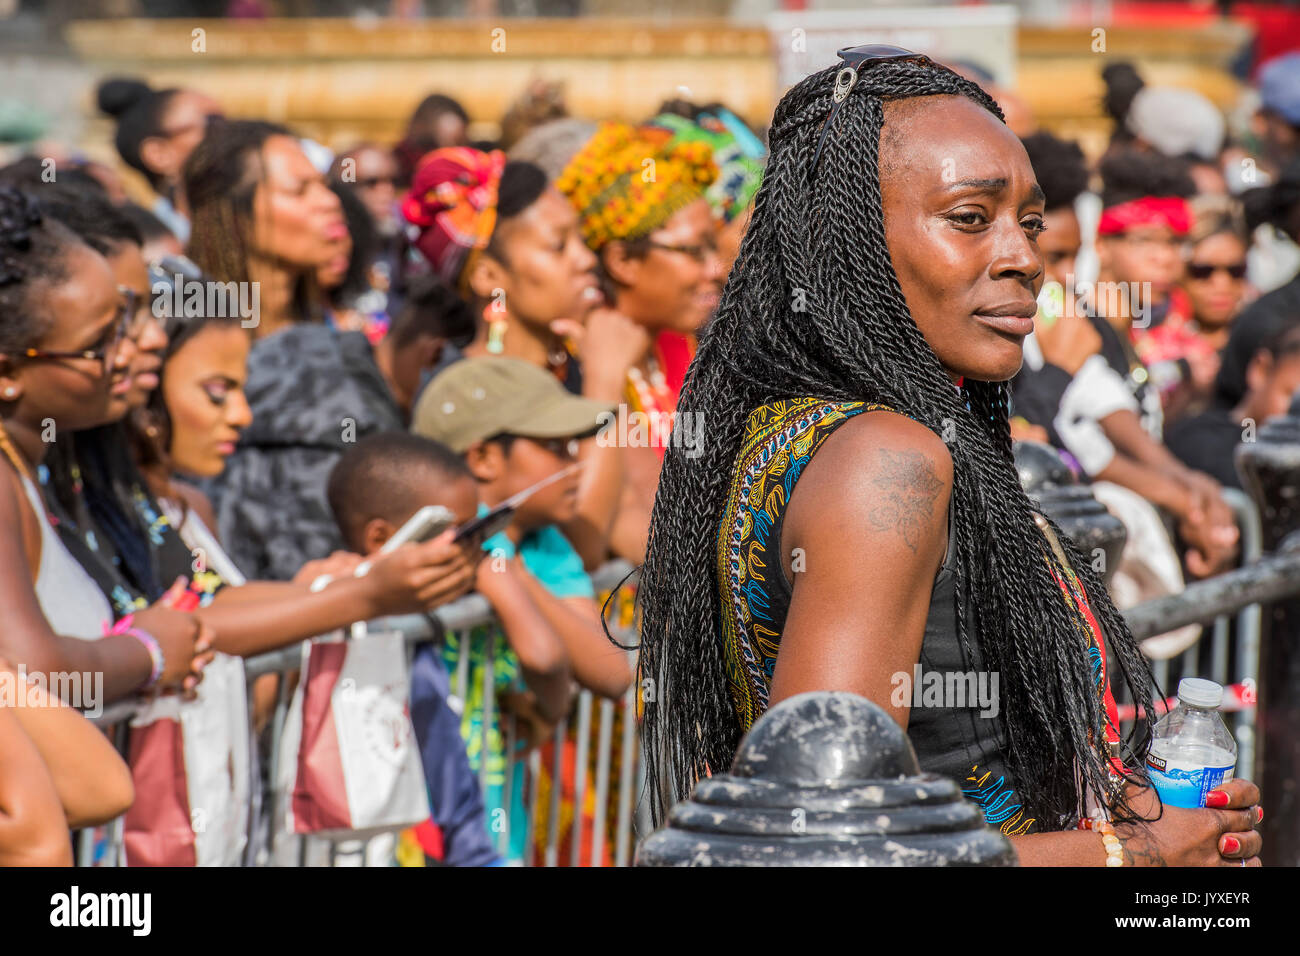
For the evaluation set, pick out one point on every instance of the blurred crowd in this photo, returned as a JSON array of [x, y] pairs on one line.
[[218, 404], [1168, 330]]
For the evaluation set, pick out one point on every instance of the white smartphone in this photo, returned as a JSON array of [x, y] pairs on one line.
[[429, 522]]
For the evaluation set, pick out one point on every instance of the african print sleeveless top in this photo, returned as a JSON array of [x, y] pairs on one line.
[[966, 743]]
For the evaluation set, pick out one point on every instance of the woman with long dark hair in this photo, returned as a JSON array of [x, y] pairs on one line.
[[265, 223], [855, 512], [184, 419]]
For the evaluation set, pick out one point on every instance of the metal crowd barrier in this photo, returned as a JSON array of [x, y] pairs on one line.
[[605, 774], [587, 735], [1215, 599]]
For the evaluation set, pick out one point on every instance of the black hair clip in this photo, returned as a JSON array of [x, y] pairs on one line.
[[855, 58]]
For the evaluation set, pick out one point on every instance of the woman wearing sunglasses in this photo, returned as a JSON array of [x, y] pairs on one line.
[[856, 511], [1214, 276], [1210, 293]]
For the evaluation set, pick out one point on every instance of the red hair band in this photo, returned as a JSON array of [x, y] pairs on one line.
[[1171, 211]]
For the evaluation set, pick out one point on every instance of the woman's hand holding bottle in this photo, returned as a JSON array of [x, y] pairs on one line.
[[1210, 836]]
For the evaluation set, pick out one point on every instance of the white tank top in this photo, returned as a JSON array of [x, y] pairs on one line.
[[72, 602]]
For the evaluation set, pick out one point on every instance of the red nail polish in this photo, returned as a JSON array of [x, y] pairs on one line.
[[1230, 845], [1217, 798], [1259, 814]]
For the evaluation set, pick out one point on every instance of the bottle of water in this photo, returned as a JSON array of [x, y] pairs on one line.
[[1192, 752]]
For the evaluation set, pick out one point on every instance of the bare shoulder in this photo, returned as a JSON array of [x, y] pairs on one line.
[[881, 474], [198, 502]]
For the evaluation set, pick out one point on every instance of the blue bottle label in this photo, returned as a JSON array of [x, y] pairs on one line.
[[1185, 786]]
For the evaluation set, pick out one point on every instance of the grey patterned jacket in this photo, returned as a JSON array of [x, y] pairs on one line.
[[313, 390]]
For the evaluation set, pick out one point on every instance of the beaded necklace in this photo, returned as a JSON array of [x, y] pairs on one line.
[[652, 395]]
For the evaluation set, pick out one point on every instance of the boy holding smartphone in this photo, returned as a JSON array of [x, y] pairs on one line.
[[515, 425], [509, 426]]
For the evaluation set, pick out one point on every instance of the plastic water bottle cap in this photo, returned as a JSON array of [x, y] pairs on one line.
[[1198, 692]]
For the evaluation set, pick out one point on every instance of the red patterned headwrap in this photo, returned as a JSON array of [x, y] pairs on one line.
[[1171, 211], [453, 199]]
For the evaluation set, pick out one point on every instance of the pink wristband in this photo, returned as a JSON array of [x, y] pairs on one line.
[[123, 626], [155, 653]]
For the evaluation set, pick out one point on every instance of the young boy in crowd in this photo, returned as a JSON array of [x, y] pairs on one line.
[[533, 578], [373, 489], [515, 425]]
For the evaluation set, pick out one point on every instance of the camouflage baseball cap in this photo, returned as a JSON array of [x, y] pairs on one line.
[[477, 398]]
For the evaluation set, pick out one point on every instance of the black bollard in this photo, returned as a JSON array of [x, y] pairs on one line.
[[826, 779], [1270, 470], [1052, 486]]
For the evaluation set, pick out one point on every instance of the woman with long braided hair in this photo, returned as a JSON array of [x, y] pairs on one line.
[[854, 519]]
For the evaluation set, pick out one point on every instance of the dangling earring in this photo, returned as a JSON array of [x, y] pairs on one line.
[[496, 341]]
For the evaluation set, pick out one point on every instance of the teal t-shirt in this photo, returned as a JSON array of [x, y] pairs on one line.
[[550, 558]]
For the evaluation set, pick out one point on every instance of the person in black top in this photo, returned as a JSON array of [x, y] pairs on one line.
[[1061, 340], [1278, 205], [1083, 382], [1207, 441], [1257, 375], [908, 215]]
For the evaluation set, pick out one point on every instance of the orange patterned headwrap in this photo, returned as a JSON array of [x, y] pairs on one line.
[[453, 200], [625, 185]]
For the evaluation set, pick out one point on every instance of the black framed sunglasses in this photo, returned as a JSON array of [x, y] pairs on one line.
[[1203, 270], [855, 58]]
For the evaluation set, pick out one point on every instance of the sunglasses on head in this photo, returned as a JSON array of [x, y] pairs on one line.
[[1203, 270], [855, 58]]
